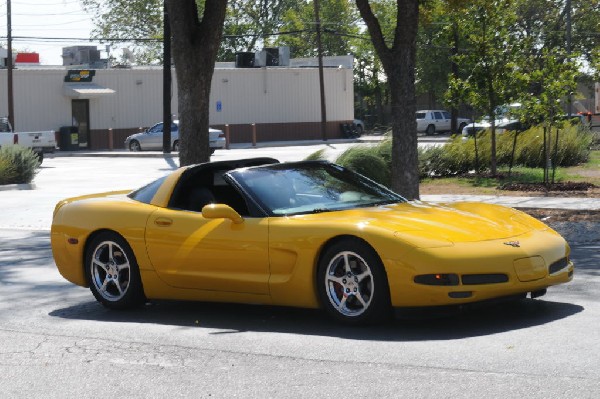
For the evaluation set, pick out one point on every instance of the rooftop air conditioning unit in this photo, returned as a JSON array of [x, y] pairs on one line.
[[244, 60]]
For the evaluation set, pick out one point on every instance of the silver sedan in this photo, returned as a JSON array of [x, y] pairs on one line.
[[152, 138]]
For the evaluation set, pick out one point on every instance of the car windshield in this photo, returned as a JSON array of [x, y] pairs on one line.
[[310, 187]]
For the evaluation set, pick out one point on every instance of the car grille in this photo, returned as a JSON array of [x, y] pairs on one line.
[[474, 279]]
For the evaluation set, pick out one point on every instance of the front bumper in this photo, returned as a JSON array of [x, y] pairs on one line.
[[474, 272]]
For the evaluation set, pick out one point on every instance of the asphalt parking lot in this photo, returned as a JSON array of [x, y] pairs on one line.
[[58, 342]]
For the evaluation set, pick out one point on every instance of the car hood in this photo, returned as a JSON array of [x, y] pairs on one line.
[[447, 223], [135, 135]]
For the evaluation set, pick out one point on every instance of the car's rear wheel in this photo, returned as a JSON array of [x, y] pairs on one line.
[[352, 283], [461, 127], [113, 273], [176, 145], [134, 145], [430, 130]]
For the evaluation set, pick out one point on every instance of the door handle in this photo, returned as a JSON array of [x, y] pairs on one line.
[[163, 222]]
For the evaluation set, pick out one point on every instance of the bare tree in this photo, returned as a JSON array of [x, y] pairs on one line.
[[398, 60], [195, 46]]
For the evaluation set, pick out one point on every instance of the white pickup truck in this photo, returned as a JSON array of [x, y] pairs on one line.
[[437, 121], [38, 142]]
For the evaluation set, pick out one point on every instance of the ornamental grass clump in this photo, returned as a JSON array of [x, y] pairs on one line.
[[18, 165], [367, 162]]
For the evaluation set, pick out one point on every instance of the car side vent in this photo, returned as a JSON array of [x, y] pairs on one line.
[[558, 265], [474, 279]]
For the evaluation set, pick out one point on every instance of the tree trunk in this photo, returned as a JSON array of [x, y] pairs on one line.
[[195, 45], [399, 65]]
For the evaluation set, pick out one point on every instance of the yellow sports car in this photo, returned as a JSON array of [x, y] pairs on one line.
[[308, 234]]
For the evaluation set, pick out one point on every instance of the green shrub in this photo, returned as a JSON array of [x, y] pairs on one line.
[[7, 171], [18, 165], [318, 155], [458, 155], [573, 147], [366, 161]]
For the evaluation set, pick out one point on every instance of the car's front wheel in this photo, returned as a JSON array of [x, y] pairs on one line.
[[176, 146], [134, 145], [352, 283], [430, 130], [113, 273]]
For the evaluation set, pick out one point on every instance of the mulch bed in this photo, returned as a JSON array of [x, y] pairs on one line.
[[541, 187]]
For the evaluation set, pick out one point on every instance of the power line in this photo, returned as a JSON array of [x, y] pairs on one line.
[[62, 3], [57, 24], [77, 12]]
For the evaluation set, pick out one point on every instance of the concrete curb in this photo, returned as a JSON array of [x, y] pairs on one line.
[[10, 187]]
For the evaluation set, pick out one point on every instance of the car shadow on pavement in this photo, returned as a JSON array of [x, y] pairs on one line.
[[424, 325], [26, 265]]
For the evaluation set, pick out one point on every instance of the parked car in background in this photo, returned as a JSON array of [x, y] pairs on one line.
[[152, 139], [39, 142], [502, 125], [505, 120], [437, 121]]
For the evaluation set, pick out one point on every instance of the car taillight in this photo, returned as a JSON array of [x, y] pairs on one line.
[[15, 138]]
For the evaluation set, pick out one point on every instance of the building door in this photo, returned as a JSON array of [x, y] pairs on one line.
[[81, 118]]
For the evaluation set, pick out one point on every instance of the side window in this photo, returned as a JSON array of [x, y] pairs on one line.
[[156, 128], [447, 115], [438, 115]]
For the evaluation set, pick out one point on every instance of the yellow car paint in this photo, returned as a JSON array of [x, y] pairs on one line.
[[191, 256]]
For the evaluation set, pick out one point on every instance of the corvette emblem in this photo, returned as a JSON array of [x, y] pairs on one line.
[[515, 244]]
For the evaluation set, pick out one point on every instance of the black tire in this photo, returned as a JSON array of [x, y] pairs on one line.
[[352, 283], [134, 145], [461, 127], [113, 273], [176, 145], [40, 156], [430, 130], [359, 130], [212, 151]]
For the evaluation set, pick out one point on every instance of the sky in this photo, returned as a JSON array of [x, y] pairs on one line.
[[43, 23]]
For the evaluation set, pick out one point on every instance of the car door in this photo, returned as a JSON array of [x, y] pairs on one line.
[[446, 121], [438, 118], [153, 138], [189, 251]]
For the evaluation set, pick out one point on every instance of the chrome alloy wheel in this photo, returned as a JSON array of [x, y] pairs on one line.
[[110, 271], [349, 283]]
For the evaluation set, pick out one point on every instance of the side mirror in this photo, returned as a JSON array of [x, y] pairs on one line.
[[221, 211]]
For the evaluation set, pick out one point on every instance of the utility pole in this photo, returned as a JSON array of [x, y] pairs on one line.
[[9, 66], [321, 78], [569, 33], [166, 81]]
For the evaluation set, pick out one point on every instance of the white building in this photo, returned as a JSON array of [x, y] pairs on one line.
[[283, 102]]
